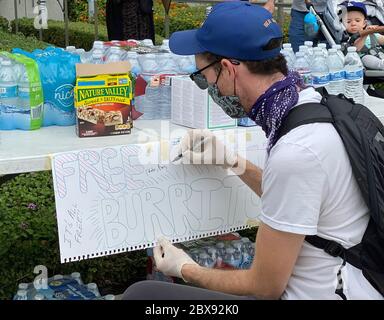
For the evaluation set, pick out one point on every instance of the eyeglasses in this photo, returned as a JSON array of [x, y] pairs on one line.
[[200, 79]]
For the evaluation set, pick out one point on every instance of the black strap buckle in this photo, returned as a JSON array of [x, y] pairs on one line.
[[334, 249]]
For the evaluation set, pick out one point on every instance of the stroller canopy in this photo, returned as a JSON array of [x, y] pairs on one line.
[[333, 16]]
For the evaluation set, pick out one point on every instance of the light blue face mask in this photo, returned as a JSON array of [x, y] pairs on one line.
[[230, 104]]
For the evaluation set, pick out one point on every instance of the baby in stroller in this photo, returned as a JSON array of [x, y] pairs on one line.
[[364, 37]]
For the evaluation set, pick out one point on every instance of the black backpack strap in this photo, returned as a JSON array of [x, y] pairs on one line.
[[335, 250], [329, 246], [304, 114], [301, 115]]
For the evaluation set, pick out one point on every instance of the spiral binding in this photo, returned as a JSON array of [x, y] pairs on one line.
[[152, 244]]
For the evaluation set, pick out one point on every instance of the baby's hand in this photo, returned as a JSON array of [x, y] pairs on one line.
[[372, 27]]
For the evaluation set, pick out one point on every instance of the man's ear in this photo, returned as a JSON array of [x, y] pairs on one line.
[[270, 6]]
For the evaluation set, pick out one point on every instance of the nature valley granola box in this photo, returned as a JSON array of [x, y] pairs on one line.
[[103, 96]]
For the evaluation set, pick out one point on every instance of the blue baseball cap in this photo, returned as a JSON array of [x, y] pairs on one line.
[[356, 6], [234, 29]]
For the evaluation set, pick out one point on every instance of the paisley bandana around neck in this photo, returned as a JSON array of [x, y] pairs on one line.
[[273, 105]]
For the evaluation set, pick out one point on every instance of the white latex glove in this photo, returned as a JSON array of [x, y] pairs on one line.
[[200, 146], [169, 259]]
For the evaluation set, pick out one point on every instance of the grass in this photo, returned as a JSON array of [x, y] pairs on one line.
[[8, 41]]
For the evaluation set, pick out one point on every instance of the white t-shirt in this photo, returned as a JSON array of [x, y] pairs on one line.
[[308, 188]]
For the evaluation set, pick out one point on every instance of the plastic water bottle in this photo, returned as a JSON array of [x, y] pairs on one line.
[[212, 252], [149, 103], [288, 59], [92, 287], [319, 71], [194, 254], [149, 65], [220, 246], [24, 90], [23, 286], [336, 73], [287, 50], [83, 55], [238, 246], [164, 102], [307, 56], [252, 249], [18, 69], [339, 52], [237, 255], [39, 296], [303, 68], [97, 57], [57, 277], [77, 277], [99, 46], [309, 45], [323, 48], [205, 260], [246, 260], [246, 243], [8, 84], [147, 42], [131, 57], [114, 55], [354, 76], [21, 295], [186, 64], [70, 49], [166, 64], [165, 45], [229, 257]]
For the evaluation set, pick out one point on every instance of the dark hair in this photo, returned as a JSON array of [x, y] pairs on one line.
[[263, 67], [349, 9]]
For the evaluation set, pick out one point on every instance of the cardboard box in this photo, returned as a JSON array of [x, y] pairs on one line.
[[103, 96]]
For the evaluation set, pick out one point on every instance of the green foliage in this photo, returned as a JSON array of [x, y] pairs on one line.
[[285, 27], [181, 17], [3, 24], [78, 10], [81, 34], [8, 41], [29, 237]]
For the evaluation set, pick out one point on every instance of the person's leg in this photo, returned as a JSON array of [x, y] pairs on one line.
[[296, 29], [372, 62], [114, 20], [159, 290]]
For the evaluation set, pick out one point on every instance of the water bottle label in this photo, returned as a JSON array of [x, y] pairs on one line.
[[8, 92], [24, 92], [64, 97], [354, 75], [307, 77], [320, 80], [337, 76]]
